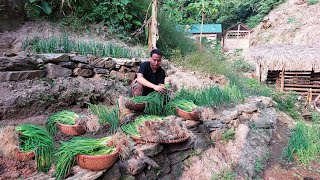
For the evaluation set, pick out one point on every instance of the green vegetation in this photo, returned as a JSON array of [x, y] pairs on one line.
[[228, 134], [119, 16], [315, 117], [66, 45], [183, 104], [106, 116], [65, 155], [213, 95], [312, 2], [36, 138], [63, 117], [172, 40], [291, 20], [260, 163], [304, 143], [238, 86], [228, 13], [131, 128], [243, 66], [155, 102], [224, 175]]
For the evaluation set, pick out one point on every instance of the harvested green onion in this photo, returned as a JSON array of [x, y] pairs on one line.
[[154, 102], [131, 128], [65, 155], [185, 105], [63, 117], [37, 138]]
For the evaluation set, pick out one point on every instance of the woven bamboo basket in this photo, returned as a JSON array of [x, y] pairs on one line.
[[97, 163], [194, 115], [141, 140], [25, 156], [71, 130], [135, 106]]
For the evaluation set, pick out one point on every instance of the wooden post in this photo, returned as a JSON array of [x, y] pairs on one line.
[[310, 96], [238, 34], [153, 27], [282, 79], [277, 80]]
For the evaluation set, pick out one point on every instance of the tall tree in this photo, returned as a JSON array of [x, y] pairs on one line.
[[205, 9]]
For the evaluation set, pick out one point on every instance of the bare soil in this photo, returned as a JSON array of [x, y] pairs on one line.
[[13, 169]]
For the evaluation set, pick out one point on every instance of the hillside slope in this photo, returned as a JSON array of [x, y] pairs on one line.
[[295, 22]]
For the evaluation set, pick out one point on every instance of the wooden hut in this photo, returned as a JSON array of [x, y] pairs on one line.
[[290, 67], [236, 37], [209, 31]]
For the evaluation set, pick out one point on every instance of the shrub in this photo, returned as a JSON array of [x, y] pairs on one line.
[[173, 41], [243, 66], [312, 2]]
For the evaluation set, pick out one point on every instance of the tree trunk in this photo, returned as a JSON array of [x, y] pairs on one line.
[[201, 27], [153, 28]]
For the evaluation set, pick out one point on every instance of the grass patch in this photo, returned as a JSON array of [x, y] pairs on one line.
[[243, 66], [64, 44], [312, 2], [224, 175], [228, 135], [260, 163], [203, 61], [304, 144], [315, 117]]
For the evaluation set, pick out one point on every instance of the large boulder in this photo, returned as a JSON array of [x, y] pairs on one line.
[[55, 71], [54, 58], [21, 75], [18, 63]]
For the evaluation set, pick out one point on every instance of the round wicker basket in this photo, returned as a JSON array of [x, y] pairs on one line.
[[71, 130], [97, 163], [135, 106], [141, 140], [25, 156], [194, 115]]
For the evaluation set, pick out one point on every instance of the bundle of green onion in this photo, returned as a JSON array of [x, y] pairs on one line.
[[37, 138], [63, 117], [106, 116], [185, 105], [131, 128], [65, 155], [154, 102]]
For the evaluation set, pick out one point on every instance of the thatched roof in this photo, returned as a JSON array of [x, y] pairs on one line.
[[292, 57]]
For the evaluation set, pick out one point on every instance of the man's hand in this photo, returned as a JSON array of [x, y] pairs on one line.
[[160, 88]]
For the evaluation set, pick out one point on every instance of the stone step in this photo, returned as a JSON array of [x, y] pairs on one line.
[[21, 75], [4, 45]]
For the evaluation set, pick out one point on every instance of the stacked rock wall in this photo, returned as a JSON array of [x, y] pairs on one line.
[[17, 67]]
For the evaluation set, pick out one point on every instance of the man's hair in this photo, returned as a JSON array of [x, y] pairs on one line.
[[156, 51]]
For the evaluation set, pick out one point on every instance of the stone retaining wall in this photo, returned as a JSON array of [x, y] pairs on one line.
[[207, 152], [17, 67]]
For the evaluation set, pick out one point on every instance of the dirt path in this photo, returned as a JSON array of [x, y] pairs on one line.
[[277, 168], [180, 78]]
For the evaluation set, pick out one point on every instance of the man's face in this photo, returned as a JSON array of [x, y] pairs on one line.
[[155, 61]]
